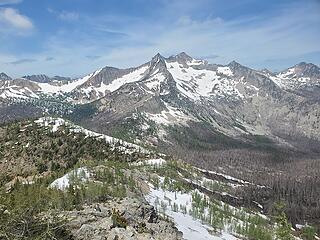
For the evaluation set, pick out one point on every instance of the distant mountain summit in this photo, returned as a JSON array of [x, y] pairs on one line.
[[4, 77], [309, 70], [42, 78], [300, 76]]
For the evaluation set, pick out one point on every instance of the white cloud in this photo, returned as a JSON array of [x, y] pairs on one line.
[[249, 40], [287, 33], [64, 15], [12, 18]]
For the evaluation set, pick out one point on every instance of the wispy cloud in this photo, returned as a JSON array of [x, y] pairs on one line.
[[93, 57], [209, 57], [21, 61], [284, 34], [64, 15], [247, 39], [10, 17], [6, 2], [68, 16]]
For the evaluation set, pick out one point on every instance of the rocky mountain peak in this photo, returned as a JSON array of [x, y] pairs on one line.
[[304, 69], [234, 64], [157, 62], [41, 78], [4, 77], [184, 57], [238, 68], [157, 57]]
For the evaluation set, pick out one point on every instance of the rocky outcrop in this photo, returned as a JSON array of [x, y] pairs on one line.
[[128, 218]]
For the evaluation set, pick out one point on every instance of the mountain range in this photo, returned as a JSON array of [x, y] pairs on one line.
[[232, 99]]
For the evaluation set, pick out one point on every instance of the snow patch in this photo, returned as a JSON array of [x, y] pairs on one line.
[[55, 123], [170, 116], [155, 161], [65, 88], [190, 227], [225, 71], [80, 174], [197, 83], [134, 76]]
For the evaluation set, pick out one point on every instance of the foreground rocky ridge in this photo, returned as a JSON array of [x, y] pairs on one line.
[[119, 190]]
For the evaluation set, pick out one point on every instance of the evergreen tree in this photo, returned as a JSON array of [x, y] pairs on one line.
[[283, 230], [308, 233]]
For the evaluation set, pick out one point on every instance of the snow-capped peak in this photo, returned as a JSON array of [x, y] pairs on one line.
[[184, 59], [192, 77], [298, 76]]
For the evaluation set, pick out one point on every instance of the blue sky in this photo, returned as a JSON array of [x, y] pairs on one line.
[[75, 37]]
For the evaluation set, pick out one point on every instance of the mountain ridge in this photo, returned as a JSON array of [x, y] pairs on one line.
[[236, 100], [43, 78], [95, 84]]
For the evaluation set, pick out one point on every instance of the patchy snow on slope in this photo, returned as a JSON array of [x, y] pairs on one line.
[[67, 87], [170, 116], [279, 81], [289, 79], [9, 90], [225, 70], [102, 89], [55, 123], [228, 177], [287, 74], [195, 62], [154, 82], [155, 161], [192, 82], [12, 93], [206, 181], [190, 227], [197, 83], [80, 174], [289, 83], [134, 76]]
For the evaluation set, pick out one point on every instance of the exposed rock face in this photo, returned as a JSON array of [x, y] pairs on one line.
[[307, 70], [42, 78], [4, 77], [97, 222]]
